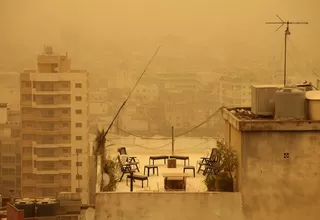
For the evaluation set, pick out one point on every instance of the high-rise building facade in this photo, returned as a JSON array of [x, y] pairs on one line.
[[10, 156], [54, 127]]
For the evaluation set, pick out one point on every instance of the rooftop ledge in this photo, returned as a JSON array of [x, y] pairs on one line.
[[243, 121]]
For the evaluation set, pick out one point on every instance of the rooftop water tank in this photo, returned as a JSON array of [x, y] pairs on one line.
[[28, 206], [290, 104], [46, 207], [313, 105]]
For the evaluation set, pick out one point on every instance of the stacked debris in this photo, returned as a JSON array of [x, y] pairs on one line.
[[69, 203], [246, 114]]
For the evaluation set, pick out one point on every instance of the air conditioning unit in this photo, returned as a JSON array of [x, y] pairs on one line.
[[262, 99]]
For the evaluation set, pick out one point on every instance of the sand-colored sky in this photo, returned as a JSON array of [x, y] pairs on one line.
[[230, 28]]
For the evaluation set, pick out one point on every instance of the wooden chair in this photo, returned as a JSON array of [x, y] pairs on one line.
[[125, 168], [205, 160], [133, 160]]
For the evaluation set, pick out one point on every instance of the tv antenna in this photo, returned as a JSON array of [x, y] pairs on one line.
[[286, 33]]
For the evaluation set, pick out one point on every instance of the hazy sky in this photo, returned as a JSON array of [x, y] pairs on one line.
[[230, 28]]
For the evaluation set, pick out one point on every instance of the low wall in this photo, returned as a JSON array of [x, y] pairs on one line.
[[168, 206]]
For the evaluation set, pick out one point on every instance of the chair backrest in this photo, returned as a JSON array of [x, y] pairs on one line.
[[214, 152], [122, 151]]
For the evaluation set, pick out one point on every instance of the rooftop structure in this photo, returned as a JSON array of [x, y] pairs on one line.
[[279, 160]]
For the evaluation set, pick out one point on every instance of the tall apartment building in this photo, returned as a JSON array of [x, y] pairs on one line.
[[54, 133], [235, 90], [10, 156]]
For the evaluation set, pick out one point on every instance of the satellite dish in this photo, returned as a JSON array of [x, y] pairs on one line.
[[90, 213], [106, 179]]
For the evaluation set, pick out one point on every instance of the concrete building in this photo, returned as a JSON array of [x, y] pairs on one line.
[[180, 81], [278, 174], [147, 92], [235, 91], [10, 157], [10, 89], [54, 134]]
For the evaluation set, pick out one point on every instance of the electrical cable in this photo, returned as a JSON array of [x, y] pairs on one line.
[[202, 123], [143, 137]]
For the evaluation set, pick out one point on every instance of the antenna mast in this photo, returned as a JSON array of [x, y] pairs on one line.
[[286, 33]]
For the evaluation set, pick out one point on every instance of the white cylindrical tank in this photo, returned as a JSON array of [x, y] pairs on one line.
[[290, 103], [313, 105]]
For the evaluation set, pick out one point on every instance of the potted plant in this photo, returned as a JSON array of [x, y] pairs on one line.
[[108, 165], [111, 168], [221, 179]]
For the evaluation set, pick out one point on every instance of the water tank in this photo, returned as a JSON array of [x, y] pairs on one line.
[[48, 50], [313, 104], [28, 206], [46, 208], [290, 103]]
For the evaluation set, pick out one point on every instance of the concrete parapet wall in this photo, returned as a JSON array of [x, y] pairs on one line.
[[168, 206]]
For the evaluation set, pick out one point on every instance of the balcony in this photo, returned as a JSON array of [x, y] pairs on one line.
[[52, 92], [48, 184], [26, 143], [48, 157], [52, 145], [55, 131], [46, 170], [25, 169], [51, 105], [27, 103], [26, 90], [46, 117], [28, 182]]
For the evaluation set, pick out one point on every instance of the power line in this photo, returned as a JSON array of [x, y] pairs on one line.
[[205, 121], [166, 138], [143, 137], [123, 104]]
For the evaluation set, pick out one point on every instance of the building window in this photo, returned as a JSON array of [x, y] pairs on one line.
[[65, 150], [79, 151], [65, 138], [66, 176], [66, 163], [78, 125], [27, 163], [78, 85], [65, 124], [78, 138], [79, 177], [78, 190], [65, 111], [65, 97], [27, 149], [78, 111], [79, 164], [78, 98]]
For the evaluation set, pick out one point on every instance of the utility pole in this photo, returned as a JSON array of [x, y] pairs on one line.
[[286, 33], [172, 134]]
